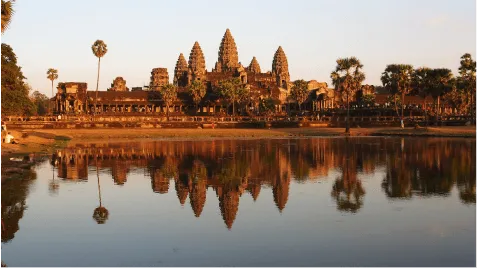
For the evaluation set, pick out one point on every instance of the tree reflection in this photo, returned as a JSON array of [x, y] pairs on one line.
[[100, 214], [347, 189], [53, 186], [14, 193], [412, 167]]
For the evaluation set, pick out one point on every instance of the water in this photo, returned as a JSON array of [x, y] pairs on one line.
[[274, 202]]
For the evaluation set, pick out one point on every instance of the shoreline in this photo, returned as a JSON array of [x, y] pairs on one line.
[[44, 140]]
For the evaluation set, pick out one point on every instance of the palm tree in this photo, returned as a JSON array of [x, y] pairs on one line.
[[99, 50], [466, 79], [169, 95], [422, 83], [299, 92], [100, 214], [442, 83], [52, 74], [7, 13], [231, 91], [347, 79], [397, 78], [197, 90]]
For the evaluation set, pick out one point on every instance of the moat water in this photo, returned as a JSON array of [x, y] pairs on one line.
[[263, 202]]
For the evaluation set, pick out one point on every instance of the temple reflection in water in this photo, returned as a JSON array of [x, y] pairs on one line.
[[413, 167]]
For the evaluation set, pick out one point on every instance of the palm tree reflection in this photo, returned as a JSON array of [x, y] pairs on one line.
[[347, 189], [100, 214]]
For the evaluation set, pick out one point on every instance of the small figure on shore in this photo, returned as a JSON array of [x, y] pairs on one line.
[[10, 139], [3, 131]]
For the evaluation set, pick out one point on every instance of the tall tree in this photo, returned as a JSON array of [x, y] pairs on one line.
[[7, 13], [99, 50], [231, 91], [169, 95], [397, 78], [197, 90], [52, 74], [41, 102], [15, 92], [442, 83], [466, 80], [422, 82], [347, 79], [299, 92]]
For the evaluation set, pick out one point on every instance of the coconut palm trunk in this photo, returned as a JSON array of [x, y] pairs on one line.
[[347, 114], [475, 102], [233, 107], [49, 103], [402, 110], [97, 85], [425, 112], [99, 185], [438, 108], [472, 107], [167, 112]]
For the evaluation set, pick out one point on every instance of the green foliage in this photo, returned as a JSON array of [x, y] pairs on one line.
[[15, 100], [41, 103], [169, 94], [52, 74], [197, 90], [7, 13], [99, 48], [442, 82], [421, 81], [397, 78], [299, 91], [232, 91], [12, 75], [368, 99], [467, 68], [466, 82], [347, 77], [267, 105]]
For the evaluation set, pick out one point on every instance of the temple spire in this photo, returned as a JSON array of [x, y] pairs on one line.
[[180, 72], [196, 64], [254, 67], [280, 68], [228, 55]]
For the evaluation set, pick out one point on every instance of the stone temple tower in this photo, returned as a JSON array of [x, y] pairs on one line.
[[196, 68], [180, 72], [254, 67], [159, 78], [280, 68], [228, 55]]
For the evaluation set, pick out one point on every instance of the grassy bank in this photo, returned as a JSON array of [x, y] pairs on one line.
[[44, 139], [42, 142]]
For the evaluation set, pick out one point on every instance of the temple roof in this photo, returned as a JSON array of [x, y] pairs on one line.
[[196, 59], [181, 67], [280, 62], [228, 55], [254, 67]]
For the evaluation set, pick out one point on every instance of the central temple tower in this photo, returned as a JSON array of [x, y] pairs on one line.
[[228, 55]]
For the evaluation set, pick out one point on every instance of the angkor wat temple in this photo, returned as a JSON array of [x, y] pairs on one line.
[[75, 98]]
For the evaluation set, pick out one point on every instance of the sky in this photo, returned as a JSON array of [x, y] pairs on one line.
[[146, 34]]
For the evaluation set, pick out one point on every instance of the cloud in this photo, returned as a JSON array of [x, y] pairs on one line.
[[437, 20]]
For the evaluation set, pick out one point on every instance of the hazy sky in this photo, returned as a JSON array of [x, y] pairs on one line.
[[142, 35]]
